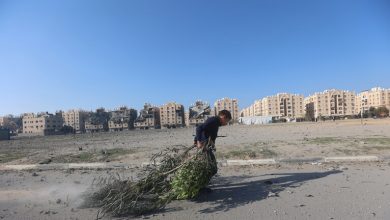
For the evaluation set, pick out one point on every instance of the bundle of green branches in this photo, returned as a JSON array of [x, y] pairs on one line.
[[175, 173]]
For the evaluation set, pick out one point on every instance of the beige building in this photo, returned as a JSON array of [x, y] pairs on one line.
[[75, 119], [172, 115], [187, 118], [331, 103], [149, 117], [281, 105], [3, 121], [227, 104], [41, 124], [92, 128], [122, 119], [375, 97], [199, 112]]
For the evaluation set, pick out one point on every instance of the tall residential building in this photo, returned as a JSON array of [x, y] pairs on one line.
[[283, 105], [122, 119], [75, 119], [227, 104], [41, 124], [149, 117], [172, 115], [199, 112], [331, 103], [245, 112], [375, 97], [257, 108]]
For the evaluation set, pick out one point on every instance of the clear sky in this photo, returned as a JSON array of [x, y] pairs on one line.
[[60, 55]]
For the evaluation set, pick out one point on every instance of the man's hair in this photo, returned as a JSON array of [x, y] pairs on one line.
[[225, 113]]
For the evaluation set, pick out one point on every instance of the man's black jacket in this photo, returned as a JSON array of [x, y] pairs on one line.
[[208, 129]]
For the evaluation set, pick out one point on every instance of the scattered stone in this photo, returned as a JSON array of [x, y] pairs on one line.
[[271, 194], [373, 214], [46, 161], [81, 148], [302, 205], [309, 195], [343, 168], [35, 174], [58, 201]]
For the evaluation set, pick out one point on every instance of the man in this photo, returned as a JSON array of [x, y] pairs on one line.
[[210, 130]]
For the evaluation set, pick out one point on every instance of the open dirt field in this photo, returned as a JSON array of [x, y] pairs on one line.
[[281, 191], [291, 140], [325, 191]]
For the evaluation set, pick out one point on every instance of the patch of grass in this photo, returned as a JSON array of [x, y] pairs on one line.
[[268, 153], [347, 152], [247, 154], [377, 141], [6, 157], [322, 140], [103, 155]]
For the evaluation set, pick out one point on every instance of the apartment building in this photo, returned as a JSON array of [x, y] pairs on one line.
[[375, 97], [149, 117], [331, 103], [199, 112], [227, 104], [283, 105], [75, 119], [41, 124], [122, 119], [172, 115], [244, 112]]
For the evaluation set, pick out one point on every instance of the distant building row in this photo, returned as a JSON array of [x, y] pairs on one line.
[[170, 115], [329, 103]]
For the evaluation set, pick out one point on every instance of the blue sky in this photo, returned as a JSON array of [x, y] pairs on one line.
[[86, 54]]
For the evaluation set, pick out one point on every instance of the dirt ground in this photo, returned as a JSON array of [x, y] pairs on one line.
[[282, 191], [288, 140], [294, 191]]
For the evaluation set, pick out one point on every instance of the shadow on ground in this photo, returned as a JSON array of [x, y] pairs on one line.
[[235, 191]]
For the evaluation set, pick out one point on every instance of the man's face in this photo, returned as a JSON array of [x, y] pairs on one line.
[[224, 120]]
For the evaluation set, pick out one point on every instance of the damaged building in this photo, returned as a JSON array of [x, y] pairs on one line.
[[149, 117], [199, 112], [122, 118]]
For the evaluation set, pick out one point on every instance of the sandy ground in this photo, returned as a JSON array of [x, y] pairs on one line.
[[325, 191], [286, 191], [291, 140]]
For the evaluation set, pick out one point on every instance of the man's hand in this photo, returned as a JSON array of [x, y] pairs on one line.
[[200, 144]]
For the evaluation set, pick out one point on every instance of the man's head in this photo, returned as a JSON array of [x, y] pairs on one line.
[[225, 117]]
